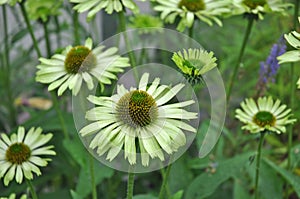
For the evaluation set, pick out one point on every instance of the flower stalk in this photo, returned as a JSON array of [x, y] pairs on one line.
[[258, 159], [12, 111], [122, 21], [31, 189], [240, 57], [93, 183], [130, 185], [293, 88], [25, 15], [165, 182]]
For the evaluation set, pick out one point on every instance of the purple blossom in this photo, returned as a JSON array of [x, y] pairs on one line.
[[269, 68]]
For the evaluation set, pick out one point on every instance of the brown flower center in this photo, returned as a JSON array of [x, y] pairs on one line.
[[192, 5], [137, 108], [264, 118], [79, 58], [18, 153]]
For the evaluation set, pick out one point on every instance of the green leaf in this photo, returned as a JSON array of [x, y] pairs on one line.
[[75, 195], [176, 180], [76, 150], [144, 196], [270, 184], [205, 184], [238, 189], [292, 179], [178, 195]]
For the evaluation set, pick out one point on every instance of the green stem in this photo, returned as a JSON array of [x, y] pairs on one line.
[[235, 70], [58, 30], [258, 157], [12, 111], [122, 20], [191, 31], [47, 39], [60, 116], [92, 172], [165, 182], [31, 188], [293, 87], [130, 185], [35, 44], [76, 28]]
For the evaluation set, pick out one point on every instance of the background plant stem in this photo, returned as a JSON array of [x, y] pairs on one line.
[[93, 183], [130, 185], [48, 47], [25, 15], [10, 101], [122, 21], [293, 89], [76, 28], [165, 183], [31, 188], [261, 140], [240, 57], [58, 30]]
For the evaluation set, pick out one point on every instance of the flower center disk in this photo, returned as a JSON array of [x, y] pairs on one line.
[[254, 3], [137, 108], [18, 153], [192, 5], [79, 58], [264, 118]]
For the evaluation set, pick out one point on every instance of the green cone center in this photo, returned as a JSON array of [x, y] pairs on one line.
[[18, 153], [192, 5], [254, 3], [79, 58], [137, 108], [264, 118]]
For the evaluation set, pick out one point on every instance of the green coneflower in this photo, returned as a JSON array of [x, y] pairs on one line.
[[42, 9], [207, 11], [193, 63], [257, 8], [293, 38], [109, 5], [13, 196], [10, 2], [139, 120], [78, 64], [146, 23], [265, 115], [19, 154]]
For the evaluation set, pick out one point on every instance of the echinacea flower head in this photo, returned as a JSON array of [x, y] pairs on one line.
[[207, 11], [109, 5], [257, 8], [266, 115], [10, 2], [19, 154], [80, 63], [293, 38], [14, 196], [42, 9], [139, 120], [146, 23], [193, 63]]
